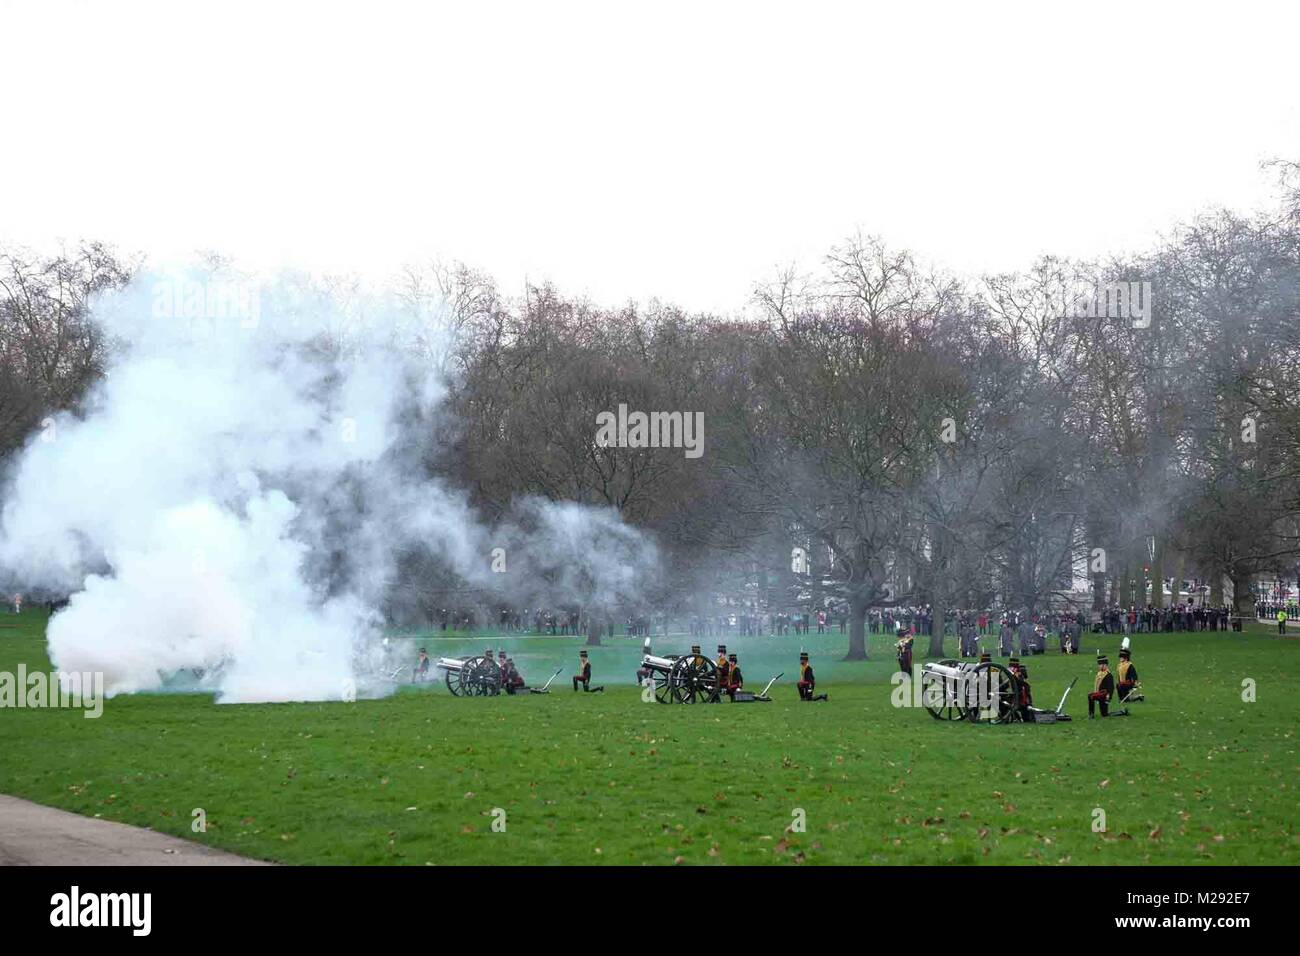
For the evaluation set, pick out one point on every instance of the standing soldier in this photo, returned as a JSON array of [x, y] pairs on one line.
[[1025, 700], [807, 680], [1004, 639], [583, 676], [904, 646]]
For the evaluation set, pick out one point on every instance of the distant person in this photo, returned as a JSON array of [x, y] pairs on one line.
[[421, 670], [1281, 620]]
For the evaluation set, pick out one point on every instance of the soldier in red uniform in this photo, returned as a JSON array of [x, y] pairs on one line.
[[1025, 701], [807, 680], [1128, 678], [513, 680], [735, 680], [583, 676], [724, 667], [904, 647], [1103, 690]]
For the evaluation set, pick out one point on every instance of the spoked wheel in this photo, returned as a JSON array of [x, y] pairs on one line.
[[663, 689], [456, 682], [694, 680], [941, 696], [991, 694], [482, 677]]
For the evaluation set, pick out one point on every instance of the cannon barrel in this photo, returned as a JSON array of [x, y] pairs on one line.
[[450, 663], [658, 663], [947, 671]]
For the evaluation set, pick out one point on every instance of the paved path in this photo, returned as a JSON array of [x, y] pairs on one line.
[[33, 835]]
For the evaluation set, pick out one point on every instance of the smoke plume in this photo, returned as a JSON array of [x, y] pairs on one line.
[[233, 503]]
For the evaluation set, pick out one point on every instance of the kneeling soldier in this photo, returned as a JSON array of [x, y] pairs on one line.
[[514, 681], [1128, 678], [1103, 690], [735, 679], [1025, 702], [807, 680], [583, 676]]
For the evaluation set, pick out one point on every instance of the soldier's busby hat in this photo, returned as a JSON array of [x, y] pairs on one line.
[[732, 658], [1101, 659], [488, 652], [803, 655], [722, 648], [582, 653], [695, 648], [423, 651], [1124, 653], [985, 657]]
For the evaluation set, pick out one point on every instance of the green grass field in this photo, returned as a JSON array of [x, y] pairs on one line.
[[1196, 775]]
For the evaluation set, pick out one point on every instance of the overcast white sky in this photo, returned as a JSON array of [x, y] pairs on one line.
[[630, 150]]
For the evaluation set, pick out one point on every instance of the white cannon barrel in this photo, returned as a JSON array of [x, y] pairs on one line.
[[658, 663], [450, 663], [947, 671]]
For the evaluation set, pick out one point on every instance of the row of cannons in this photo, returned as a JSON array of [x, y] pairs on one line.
[[951, 690], [685, 679]]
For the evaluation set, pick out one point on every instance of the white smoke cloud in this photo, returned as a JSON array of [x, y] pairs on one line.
[[233, 503]]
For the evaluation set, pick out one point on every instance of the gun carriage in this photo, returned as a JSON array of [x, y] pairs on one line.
[[985, 692], [687, 679], [471, 676]]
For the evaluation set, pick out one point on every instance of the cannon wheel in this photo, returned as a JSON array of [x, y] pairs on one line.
[[951, 708], [1005, 689], [663, 689], [694, 680], [482, 677], [456, 682]]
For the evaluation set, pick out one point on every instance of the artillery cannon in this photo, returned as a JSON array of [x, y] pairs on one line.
[[471, 676], [985, 692], [688, 679]]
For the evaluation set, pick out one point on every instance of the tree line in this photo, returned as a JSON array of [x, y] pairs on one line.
[[912, 436]]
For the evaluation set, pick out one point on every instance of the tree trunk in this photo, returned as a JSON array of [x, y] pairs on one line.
[[593, 630], [1122, 594], [1158, 575], [940, 607], [1216, 589], [1242, 603], [857, 629]]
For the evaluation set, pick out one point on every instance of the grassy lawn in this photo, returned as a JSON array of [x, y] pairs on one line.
[[1195, 775]]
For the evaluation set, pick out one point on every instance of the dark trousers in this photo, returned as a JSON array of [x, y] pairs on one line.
[[1096, 698]]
